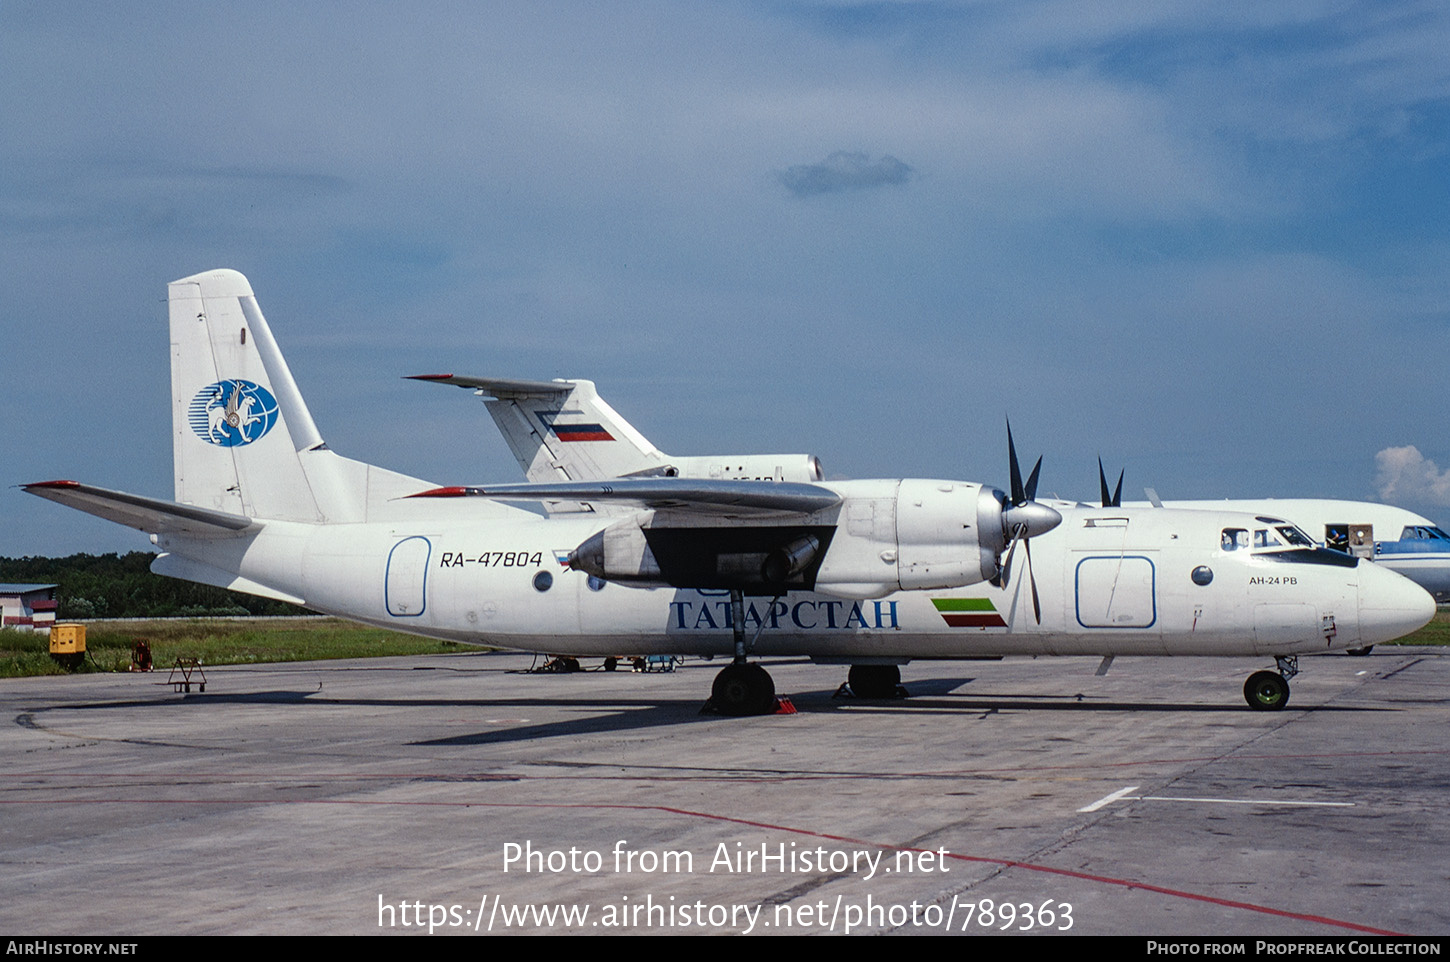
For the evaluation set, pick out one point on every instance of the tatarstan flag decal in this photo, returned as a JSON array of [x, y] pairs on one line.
[[969, 612]]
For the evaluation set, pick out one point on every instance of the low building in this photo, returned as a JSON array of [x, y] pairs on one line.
[[27, 607]]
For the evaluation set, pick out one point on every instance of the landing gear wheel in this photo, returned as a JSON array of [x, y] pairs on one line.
[[1359, 651], [874, 681], [741, 690], [1266, 691]]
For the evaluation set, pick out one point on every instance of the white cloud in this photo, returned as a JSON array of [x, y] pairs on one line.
[[1406, 475]]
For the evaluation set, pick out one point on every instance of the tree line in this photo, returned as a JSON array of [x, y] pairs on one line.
[[122, 586]]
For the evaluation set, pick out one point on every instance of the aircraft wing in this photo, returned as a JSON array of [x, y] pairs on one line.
[[686, 494], [500, 387], [145, 514]]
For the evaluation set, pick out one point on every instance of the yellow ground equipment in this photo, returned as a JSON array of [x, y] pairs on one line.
[[68, 644]]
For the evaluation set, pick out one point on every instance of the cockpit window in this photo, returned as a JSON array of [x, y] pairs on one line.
[[1294, 537], [1234, 538], [1423, 533], [1264, 538]]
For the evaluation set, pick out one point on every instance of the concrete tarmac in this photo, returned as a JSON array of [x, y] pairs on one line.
[[453, 794]]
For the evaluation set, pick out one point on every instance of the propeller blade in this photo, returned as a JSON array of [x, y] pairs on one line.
[[1023, 518], [1018, 495], [1032, 580], [1005, 574], [1114, 500]]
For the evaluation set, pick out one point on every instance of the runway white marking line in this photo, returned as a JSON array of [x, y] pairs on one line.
[[1109, 799], [1243, 801], [1121, 795]]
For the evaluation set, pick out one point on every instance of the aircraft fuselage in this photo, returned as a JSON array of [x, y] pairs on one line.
[[1113, 582]]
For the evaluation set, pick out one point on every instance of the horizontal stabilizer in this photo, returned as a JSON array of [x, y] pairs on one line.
[[135, 511], [175, 566], [687, 494], [500, 387]]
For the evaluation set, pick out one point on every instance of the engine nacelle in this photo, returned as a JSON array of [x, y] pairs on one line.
[[948, 534], [883, 536], [912, 535], [619, 553]]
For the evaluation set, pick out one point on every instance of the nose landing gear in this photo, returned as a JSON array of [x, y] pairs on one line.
[[1269, 690]]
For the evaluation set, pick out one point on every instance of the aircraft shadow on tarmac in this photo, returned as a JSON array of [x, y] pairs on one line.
[[605, 715]]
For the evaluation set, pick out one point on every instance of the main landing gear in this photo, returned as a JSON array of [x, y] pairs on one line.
[[875, 681], [742, 688], [1268, 690]]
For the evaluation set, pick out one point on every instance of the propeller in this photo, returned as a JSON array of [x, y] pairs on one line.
[[1022, 520], [1115, 500]]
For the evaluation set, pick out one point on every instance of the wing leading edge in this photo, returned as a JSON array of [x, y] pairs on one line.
[[145, 514], [685, 494]]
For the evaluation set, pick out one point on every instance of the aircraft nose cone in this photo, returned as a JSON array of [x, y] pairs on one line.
[[1390, 605], [1038, 518]]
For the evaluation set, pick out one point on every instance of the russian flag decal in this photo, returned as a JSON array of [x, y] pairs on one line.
[[580, 432]]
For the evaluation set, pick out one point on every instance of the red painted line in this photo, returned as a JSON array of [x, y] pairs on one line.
[[983, 620], [450, 491], [1006, 863]]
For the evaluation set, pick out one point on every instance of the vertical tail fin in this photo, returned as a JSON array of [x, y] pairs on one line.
[[240, 428], [561, 430]]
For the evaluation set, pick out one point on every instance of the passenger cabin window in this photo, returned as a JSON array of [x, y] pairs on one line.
[[1234, 539]]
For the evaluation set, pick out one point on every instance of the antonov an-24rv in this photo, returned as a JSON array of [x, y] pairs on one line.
[[866, 573]]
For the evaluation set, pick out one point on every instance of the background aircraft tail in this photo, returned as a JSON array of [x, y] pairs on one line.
[[562, 430]]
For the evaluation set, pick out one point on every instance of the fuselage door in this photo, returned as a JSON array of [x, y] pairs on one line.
[[1118, 591], [405, 590]]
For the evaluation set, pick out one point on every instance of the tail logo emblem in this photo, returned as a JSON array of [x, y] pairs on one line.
[[232, 413]]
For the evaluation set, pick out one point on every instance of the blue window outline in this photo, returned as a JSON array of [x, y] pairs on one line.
[[388, 579], [1077, 591]]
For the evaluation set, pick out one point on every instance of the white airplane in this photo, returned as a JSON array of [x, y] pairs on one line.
[[867, 573]]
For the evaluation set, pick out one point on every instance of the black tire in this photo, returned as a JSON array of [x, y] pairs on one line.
[[1359, 651], [1266, 691], [742, 690], [874, 681]]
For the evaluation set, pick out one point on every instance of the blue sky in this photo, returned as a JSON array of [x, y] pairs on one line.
[[1207, 241]]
